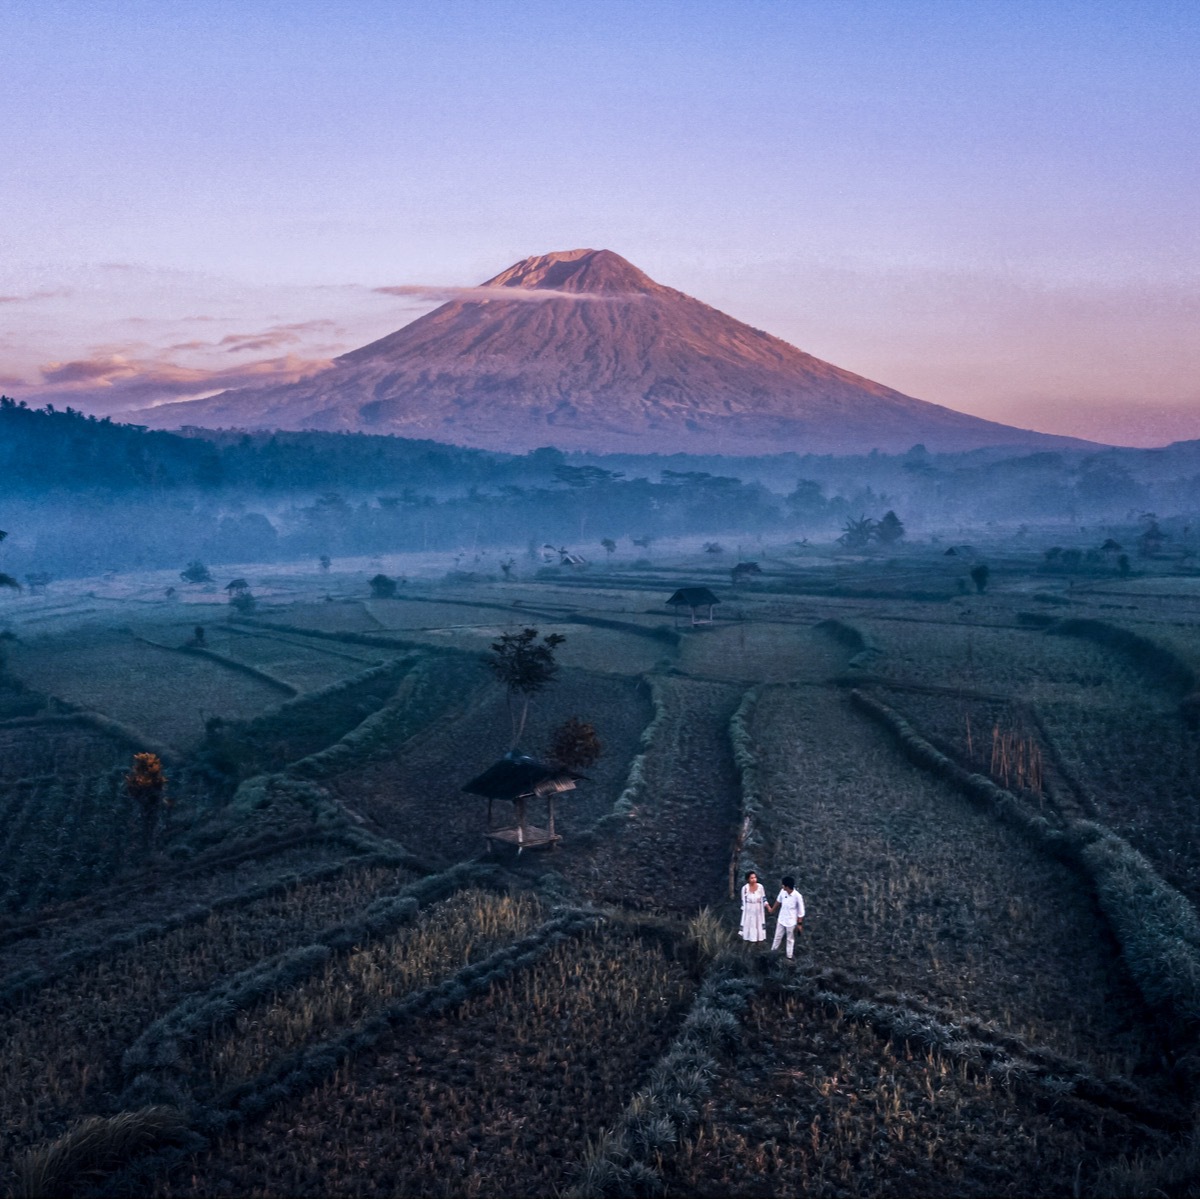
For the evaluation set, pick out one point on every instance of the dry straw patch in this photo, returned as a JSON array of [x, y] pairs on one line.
[[496, 1097], [461, 929], [62, 1048], [820, 1105]]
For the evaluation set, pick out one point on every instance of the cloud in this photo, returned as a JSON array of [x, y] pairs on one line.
[[427, 294], [44, 294], [109, 383], [238, 343]]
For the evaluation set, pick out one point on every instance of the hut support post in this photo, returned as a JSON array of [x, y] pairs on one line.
[[520, 820], [550, 802]]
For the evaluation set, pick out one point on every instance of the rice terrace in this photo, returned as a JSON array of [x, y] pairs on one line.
[[292, 965]]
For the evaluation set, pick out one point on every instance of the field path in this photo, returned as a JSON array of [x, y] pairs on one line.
[[674, 853]]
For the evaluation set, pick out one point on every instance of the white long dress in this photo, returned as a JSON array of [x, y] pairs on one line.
[[753, 924]]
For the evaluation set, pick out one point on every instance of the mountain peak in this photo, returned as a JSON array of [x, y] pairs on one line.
[[591, 271], [644, 368]]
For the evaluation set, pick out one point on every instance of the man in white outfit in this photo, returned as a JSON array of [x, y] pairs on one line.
[[790, 904]]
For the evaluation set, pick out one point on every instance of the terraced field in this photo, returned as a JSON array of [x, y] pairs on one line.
[[316, 981]]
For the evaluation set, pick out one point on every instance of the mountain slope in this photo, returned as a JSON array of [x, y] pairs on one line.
[[583, 350]]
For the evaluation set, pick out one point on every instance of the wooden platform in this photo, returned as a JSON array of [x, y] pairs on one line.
[[534, 838]]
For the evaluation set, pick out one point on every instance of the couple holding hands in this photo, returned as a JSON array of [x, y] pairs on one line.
[[789, 904]]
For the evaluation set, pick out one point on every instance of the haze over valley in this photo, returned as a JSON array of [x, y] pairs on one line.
[[431, 689]]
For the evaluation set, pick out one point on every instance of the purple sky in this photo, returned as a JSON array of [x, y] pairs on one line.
[[991, 206]]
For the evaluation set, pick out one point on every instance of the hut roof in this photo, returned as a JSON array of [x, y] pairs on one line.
[[517, 775], [693, 597]]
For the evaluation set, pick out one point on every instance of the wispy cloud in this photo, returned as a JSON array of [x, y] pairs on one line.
[[111, 383], [43, 294], [429, 294]]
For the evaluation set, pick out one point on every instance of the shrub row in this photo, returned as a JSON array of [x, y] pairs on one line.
[[1003, 1056], [16, 987], [310, 1065], [234, 750], [236, 664], [635, 781], [1156, 927], [413, 704], [749, 843], [978, 787], [862, 649], [233, 664], [625, 1161], [125, 734], [151, 1063], [377, 640], [1148, 656], [97, 1145], [659, 633]]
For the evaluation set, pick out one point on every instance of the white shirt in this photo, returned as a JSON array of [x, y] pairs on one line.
[[791, 908]]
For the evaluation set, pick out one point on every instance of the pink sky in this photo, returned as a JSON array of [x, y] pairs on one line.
[[989, 207]]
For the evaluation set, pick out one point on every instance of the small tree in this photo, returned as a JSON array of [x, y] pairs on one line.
[[525, 666], [383, 587], [980, 573], [146, 785], [610, 547], [196, 572], [7, 581], [506, 566], [890, 529], [324, 562], [575, 745], [243, 603]]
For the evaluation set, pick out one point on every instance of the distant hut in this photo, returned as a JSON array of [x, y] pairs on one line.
[[694, 598], [519, 778]]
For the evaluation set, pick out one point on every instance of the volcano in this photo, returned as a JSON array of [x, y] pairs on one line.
[[581, 350]]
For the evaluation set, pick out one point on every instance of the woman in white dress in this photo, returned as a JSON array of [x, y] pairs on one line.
[[754, 898]]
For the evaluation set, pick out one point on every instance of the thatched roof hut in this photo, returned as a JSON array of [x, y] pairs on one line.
[[519, 778], [694, 598]]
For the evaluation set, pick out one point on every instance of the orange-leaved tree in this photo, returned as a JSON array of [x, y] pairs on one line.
[[146, 784], [575, 745]]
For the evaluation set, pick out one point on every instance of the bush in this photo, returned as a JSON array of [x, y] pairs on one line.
[[196, 572]]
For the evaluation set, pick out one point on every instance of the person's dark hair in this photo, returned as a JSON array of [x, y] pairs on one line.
[[749, 873], [789, 881]]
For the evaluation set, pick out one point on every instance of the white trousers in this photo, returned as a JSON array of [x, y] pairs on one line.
[[780, 930]]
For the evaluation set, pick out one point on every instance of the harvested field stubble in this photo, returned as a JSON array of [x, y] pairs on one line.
[[1112, 729], [62, 1046], [910, 885], [461, 929], [496, 1097], [821, 1105], [672, 852]]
